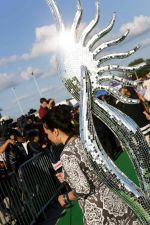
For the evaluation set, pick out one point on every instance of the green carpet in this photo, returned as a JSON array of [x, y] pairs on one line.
[[74, 214], [125, 165]]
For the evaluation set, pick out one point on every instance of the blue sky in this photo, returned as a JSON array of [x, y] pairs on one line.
[[27, 44]]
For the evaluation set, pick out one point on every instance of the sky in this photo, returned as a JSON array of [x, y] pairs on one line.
[[28, 45]]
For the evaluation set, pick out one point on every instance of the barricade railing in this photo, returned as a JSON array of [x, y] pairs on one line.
[[14, 208], [23, 197]]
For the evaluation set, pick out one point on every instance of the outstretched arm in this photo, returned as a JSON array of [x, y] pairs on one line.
[[4, 146]]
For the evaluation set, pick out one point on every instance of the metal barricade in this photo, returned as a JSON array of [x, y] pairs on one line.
[[14, 208], [39, 181], [23, 197]]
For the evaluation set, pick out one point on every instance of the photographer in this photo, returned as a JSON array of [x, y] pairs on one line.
[[34, 147], [3, 146], [15, 154]]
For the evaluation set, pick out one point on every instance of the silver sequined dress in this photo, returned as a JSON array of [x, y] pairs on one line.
[[99, 205]]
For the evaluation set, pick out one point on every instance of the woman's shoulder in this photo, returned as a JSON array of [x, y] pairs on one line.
[[74, 139], [72, 146], [74, 142]]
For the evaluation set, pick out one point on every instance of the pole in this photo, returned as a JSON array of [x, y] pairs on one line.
[[36, 84], [136, 75], [17, 100]]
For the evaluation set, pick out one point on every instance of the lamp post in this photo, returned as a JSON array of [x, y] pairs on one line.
[[36, 84], [17, 100]]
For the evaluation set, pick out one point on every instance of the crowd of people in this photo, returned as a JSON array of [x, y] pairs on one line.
[[23, 139], [59, 125], [140, 112]]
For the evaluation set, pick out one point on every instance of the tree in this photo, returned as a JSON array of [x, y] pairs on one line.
[[144, 70], [136, 62]]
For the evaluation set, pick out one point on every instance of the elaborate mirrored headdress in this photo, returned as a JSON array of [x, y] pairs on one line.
[[83, 70]]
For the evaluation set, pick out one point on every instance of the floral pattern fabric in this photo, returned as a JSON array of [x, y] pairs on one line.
[[99, 204]]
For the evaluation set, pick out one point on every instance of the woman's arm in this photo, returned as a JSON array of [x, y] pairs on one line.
[[4, 146], [147, 115], [67, 197], [75, 176]]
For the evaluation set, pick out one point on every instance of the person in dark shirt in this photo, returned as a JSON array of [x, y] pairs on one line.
[[34, 147], [15, 154], [135, 111], [4, 144]]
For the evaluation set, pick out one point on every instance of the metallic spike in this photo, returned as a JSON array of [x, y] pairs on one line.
[[121, 80], [120, 68], [117, 55], [56, 14], [118, 96], [91, 25], [77, 18], [109, 44], [102, 33]]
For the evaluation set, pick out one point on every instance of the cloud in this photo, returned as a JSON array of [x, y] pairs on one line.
[[8, 81], [53, 63], [12, 80], [46, 89], [139, 25], [45, 42], [7, 60], [146, 42], [52, 89], [29, 72], [20, 98]]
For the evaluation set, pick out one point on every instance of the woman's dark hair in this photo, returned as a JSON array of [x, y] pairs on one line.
[[59, 117]]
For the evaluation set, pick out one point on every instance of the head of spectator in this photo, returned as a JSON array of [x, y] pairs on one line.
[[125, 92], [29, 120], [34, 136], [43, 102], [14, 134], [58, 124], [50, 103]]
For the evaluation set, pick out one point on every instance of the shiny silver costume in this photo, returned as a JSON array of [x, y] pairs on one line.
[[82, 66], [100, 206]]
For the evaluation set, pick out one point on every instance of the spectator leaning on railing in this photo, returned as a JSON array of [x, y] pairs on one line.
[[136, 111], [3, 146], [12, 151]]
